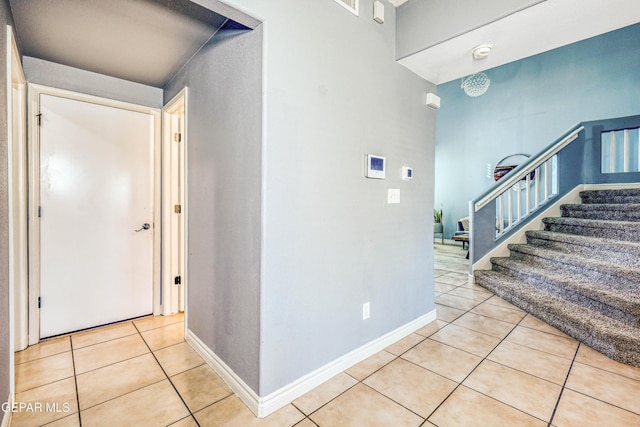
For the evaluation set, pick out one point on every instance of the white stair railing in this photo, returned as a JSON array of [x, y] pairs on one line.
[[526, 188], [621, 151]]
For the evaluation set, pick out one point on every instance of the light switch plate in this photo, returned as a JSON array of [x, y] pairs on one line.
[[393, 195]]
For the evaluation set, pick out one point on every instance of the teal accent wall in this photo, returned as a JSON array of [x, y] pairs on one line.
[[529, 104]]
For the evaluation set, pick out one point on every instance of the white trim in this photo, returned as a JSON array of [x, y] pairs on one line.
[[263, 406], [8, 415], [33, 106], [572, 197], [169, 306], [239, 387]]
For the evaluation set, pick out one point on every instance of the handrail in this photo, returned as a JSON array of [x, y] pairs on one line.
[[524, 169]]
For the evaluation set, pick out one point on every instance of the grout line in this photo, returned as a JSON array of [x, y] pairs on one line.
[[75, 379], [167, 376], [555, 408]]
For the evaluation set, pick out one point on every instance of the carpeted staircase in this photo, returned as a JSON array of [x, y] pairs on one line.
[[582, 273]]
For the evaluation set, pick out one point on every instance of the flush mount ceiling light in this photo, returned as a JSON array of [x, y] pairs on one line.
[[481, 51], [476, 84]]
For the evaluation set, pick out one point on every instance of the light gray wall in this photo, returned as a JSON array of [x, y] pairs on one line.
[[425, 23], [5, 372], [331, 242], [224, 148], [74, 79]]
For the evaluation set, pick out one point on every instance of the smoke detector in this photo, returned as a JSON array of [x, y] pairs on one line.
[[481, 51]]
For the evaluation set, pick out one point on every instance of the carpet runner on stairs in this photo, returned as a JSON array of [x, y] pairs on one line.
[[582, 273]]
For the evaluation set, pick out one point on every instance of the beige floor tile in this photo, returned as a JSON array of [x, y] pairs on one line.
[[178, 358], [43, 371], [68, 421], [120, 378], [431, 328], [453, 278], [465, 339], [460, 303], [442, 359], [525, 392], [404, 344], [106, 353], [605, 386], [467, 408], [437, 272], [448, 314], [200, 387], [415, 388], [590, 357], [363, 406], [322, 394], [153, 322], [477, 293], [549, 343], [231, 412], [306, 423], [535, 362], [496, 300], [154, 405], [443, 288], [106, 333], [164, 336], [371, 364], [60, 395], [484, 324], [533, 322], [576, 409], [510, 315], [185, 422], [45, 348]]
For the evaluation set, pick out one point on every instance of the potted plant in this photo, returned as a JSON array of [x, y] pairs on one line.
[[438, 227]]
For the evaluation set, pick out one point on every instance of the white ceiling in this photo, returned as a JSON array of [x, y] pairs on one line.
[[545, 26], [144, 41]]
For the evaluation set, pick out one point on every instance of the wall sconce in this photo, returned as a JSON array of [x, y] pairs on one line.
[[378, 12]]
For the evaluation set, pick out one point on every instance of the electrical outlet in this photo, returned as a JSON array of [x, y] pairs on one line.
[[365, 311]]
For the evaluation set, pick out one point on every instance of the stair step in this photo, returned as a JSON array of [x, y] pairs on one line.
[[623, 253], [621, 303], [593, 268], [629, 195], [603, 211], [612, 337], [620, 230]]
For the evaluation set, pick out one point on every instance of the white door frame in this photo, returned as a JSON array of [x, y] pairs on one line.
[[34, 92], [172, 248], [17, 186]]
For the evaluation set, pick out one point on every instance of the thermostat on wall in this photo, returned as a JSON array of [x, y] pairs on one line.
[[407, 173], [375, 167]]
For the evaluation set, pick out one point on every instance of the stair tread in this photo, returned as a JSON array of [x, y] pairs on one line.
[[604, 206], [612, 337], [595, 223], [628, 298], [577, 260], [578, 239]]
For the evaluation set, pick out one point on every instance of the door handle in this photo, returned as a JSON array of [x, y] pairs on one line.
[[145, 226]]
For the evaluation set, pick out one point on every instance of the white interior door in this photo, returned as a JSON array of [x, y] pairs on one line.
[[96, 194]]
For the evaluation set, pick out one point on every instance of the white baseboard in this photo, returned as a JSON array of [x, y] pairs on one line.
[[263, 406], [6, 419]]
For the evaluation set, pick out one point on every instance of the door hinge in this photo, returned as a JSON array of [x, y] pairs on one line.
[[39, 302], [39, 211], [177, 280], [177, 208], [177, 137], [39, 116]]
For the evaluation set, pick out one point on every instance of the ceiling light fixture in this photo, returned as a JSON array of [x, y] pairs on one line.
[[481, 51], [476, 84]]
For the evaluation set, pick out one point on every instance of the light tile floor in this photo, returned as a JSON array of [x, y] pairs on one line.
[[483, 362]]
